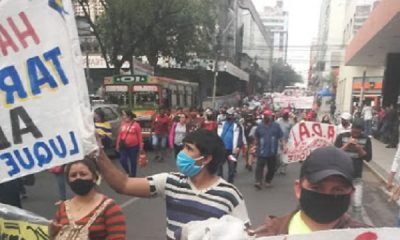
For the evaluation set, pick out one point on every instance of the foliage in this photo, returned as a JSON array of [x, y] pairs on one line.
[[283, 75], [156, 28]]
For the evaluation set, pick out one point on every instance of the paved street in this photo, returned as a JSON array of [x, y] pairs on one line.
[[146, 217]]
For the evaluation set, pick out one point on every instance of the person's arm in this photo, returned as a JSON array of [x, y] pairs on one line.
[[140, 136], [393, 170], [339, 143], [120, 182], [365, 153], [118, 138]]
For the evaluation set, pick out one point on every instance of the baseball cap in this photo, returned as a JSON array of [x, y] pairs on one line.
[[268, 113], [231, 111], [346, 116], [310, 115], [327, 161]]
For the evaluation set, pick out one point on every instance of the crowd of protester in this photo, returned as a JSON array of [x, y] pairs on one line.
[[204, 143]]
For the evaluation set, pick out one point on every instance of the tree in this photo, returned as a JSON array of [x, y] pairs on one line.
[[85, 5], [283, 75], [175, 28]]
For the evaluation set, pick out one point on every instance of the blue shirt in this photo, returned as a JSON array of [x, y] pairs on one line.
[[268, 139], [227, 135]]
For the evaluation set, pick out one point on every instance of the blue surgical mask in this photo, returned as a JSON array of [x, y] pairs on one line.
[[187, 165]]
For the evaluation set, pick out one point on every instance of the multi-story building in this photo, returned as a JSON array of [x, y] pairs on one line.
[[377, 44], [329, 42], [254, 43], [275, 20], [94, 9], [339, 22], [355, 84]]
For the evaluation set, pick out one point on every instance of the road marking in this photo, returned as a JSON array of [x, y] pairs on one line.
[[129, 202]]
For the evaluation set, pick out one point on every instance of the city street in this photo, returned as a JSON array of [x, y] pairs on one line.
[[146, 217]]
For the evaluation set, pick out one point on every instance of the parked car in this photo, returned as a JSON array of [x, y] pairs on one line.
[[112, 114]]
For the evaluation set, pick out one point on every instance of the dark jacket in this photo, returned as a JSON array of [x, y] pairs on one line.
[[365, 142], [9, 192], [280, 225]]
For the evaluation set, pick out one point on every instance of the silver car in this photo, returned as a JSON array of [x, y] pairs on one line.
[[112, 114]]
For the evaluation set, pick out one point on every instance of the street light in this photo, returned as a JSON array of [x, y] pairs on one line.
[[220, 34]]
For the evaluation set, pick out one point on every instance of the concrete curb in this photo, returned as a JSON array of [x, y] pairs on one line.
[[377, 171]]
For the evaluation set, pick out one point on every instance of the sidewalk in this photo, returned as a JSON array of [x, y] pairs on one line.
[[382, 158]]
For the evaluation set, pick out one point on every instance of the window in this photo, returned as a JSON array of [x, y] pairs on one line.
[[145, 99], [109, 114]]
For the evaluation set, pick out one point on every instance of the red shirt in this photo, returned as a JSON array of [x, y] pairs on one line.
[[161, 125], [210, 125], [110, 224], [131, 132]]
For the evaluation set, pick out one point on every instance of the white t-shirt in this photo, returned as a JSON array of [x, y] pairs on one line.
[[367, 113], [180, 133]]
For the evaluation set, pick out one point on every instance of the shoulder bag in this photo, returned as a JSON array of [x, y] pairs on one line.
[[122, 143]]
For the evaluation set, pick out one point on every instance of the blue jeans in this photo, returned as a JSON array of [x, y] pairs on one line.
[[367, 127], [60, 177], [231, 167], [128, 160]]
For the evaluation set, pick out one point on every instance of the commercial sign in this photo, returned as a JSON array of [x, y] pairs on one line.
[[130, 79], [116, 88], [45, 117], [145, 88]]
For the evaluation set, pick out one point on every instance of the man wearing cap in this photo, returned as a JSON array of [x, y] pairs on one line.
[[232, 134], [345, 124], [324, 191], [268, 135], [358, 147]]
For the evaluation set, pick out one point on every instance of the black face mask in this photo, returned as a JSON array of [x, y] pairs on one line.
[[82, 186], [323, 208]]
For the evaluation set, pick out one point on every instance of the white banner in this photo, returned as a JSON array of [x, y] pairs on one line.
[[345, 234], [304, 137], [294, 102], [45, 117]]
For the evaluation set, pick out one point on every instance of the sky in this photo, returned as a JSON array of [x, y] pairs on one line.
[[303, 27]]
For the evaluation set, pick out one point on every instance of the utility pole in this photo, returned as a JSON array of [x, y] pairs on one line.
[[271, 63], [218, 48], [362, 89]]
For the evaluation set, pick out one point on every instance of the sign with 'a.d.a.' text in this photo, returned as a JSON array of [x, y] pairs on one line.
[[305, 137], [45, 117]]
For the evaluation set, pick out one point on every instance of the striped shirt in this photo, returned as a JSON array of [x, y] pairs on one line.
[[110, 224], [185, 203]]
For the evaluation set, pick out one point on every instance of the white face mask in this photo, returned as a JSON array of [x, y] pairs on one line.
[[259, 121]]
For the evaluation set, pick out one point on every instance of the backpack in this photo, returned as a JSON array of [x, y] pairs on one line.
[[72, 231]]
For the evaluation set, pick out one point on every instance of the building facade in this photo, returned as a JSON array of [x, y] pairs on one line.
[[275, 19], [357, 85], [340, 20], [376, 44]]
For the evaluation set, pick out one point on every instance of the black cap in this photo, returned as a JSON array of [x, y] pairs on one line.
[[327, 161]]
